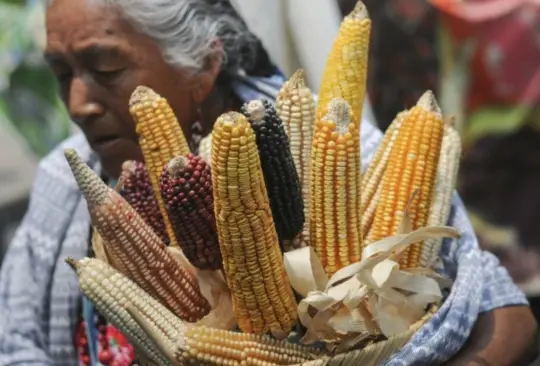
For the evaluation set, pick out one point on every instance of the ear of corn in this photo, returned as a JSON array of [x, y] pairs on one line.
[[346, 68], [445, 184], [412, 166], [222, 348], [138, 192], [280, 175], [111, 292], [296, 108], [135, 245], [371, 181], [205, 148], [186, 187], [262, 297], [335, 196], [160, 139]]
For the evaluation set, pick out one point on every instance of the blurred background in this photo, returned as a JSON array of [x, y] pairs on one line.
[[481, 57]]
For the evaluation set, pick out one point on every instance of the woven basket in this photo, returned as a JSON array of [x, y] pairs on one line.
[[377, 353]]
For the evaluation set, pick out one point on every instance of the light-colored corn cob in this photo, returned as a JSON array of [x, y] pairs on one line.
[[335, 199], [205, 148], [346, 68], [445, 184], [280, 175], [208, 346], [137, 189], [262, 296], [135, 245], [111, 292], [296, 108], [160, 138], [371, 181], [412, 167], [186, 188]]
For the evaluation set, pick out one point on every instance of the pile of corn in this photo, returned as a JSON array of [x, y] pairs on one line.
[[268, 180]]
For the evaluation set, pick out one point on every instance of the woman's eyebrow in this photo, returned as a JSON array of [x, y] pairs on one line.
[[96, 52]]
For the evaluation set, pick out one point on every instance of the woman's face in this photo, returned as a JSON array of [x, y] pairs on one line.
[[99, 60]]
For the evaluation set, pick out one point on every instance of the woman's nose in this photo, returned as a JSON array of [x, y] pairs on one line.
[[83, 107]]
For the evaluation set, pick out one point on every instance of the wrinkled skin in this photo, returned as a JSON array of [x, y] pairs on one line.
[[99, 59]]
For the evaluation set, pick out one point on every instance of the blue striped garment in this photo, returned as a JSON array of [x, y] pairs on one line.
[[40, 298]]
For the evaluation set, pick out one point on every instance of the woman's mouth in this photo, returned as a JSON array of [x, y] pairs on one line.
[[106, 143]]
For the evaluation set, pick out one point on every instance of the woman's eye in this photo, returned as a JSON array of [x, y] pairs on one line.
[[107, 73]]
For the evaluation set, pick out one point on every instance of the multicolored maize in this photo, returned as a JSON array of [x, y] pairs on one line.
[[346, 68], [296, 108], [336, 230], [136, 188], [111, 292], [445, 184], [412, 168], [186, 188], [160, 138], [371, 181], [280, 175], [262, 296], [134, 244]]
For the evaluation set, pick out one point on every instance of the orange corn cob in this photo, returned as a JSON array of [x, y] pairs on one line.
[[346, 68], [134, 244], [186, 187], [160, 139], [412, 166], [336, 185], [262, 296]]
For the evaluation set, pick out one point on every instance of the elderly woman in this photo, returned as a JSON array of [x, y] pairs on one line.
[[201, 57]]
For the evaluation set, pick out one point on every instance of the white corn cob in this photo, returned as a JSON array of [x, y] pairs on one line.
[[205, 148], [444, 187], [296, 108], [111, 292], [371, 182]]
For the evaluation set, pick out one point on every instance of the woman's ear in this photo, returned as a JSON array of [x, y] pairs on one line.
[[204, 80]]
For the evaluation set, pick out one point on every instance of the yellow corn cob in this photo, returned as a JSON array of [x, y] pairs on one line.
[[206, 346], [209, 346], [205, 148], [445, 184], [346, 68], [262, 297], [130, 240], [412, 166], [335, 198], [371, 187], [111, 293], [160, 138], [296, 108]]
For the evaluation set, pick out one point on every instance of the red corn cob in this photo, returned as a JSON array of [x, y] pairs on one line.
[[137, 190], [186, 188]]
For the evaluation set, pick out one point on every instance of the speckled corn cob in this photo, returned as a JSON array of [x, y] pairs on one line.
[[262, 297], [111, 292], [412, 166], [186, 187], [346, 68], [133, 243], [206, 346], [335, 197], [205, 148], [445, 184], [371, 181], [138, 192], [280, 175], [160, 138], [296, 108]]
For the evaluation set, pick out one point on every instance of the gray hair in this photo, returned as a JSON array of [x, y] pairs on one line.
[[188, 32]]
